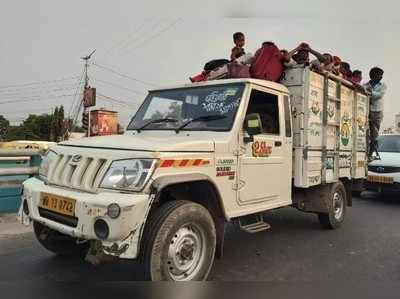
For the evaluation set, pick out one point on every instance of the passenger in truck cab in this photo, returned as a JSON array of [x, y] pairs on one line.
[[239, 41]]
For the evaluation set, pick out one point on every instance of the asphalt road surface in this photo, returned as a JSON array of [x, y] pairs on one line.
[[295, 249]]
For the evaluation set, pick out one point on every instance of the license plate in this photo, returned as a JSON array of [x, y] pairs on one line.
[[380, 179], [58, 204]]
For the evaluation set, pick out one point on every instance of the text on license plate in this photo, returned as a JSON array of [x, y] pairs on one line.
[[380, 179], [59, 204]]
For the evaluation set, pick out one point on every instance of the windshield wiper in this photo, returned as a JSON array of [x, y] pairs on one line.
[[156, 121], [204, 118]]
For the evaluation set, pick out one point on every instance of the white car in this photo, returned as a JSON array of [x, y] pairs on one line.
[[384, 174]]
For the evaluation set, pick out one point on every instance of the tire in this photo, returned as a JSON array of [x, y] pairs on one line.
[[58, 243], [337, 206], [178, 243]]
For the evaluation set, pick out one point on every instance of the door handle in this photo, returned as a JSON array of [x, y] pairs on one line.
[[278, 143]]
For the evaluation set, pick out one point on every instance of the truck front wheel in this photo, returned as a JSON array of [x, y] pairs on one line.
[[58, 243], [178, 242], [337, 204]]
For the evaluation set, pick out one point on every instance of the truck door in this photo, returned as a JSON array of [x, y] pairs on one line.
[[265, 174]]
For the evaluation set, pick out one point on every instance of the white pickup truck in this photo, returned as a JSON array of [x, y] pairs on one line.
[[195, 157]]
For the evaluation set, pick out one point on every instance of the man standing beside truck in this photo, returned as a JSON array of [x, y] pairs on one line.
[[377, 90]]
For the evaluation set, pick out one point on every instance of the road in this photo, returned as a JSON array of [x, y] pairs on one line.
[[295, 249]]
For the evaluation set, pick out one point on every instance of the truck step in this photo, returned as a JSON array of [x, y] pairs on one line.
[[253, 224]]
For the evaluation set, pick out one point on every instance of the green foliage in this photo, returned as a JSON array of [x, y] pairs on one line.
[[174, 111], [45, 127], [38, 127], [4, 127]]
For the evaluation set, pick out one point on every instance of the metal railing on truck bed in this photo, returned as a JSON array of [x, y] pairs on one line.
[[15, 167]]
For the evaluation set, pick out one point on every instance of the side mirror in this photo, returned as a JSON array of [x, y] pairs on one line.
[[253, 126]]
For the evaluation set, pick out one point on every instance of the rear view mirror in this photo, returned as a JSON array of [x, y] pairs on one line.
[[252, 125]]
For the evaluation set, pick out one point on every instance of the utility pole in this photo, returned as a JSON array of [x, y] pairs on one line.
[[86, 110]]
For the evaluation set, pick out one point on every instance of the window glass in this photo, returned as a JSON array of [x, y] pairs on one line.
[[388, 143], [266, 105], [288, 128], [216, 107]]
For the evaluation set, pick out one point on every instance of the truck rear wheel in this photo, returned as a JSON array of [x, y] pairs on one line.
[[337, 204], [58, 243], [178, 242]]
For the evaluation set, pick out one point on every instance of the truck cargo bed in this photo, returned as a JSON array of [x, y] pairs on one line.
[[330, 128]]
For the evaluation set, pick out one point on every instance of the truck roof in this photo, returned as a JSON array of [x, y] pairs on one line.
[[263, 83]]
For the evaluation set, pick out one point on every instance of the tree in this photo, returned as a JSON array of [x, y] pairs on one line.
[[15, 133], [59, 124], [4, 127], [174, 111], [45, 127], [38, 127]]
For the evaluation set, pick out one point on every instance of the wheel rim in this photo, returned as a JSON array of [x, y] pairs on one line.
[[338, 205], [186, 253]]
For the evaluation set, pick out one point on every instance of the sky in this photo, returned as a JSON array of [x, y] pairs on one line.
[[140, 46]]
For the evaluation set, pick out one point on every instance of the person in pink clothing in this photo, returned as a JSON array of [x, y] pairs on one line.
[[356, 77]]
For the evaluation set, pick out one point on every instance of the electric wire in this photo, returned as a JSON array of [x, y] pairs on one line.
[[122, 75], [36, 99], [39, 82], [122, 43], [143, 36], [118, 86], [35, 88], [114, 100], [46, 91], [155, 35], [79, 83]]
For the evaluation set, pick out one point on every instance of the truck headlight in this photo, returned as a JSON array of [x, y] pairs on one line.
[[129, 175], [45, 164]]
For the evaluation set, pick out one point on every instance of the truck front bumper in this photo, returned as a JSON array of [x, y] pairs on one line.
[[124, 231]]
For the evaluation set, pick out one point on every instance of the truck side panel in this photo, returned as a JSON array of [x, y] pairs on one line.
[[329, 126]]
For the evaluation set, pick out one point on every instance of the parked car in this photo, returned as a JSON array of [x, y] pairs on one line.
[[384, 174]]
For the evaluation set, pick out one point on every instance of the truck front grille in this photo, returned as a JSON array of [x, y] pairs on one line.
[[383, 169], [82, 174]]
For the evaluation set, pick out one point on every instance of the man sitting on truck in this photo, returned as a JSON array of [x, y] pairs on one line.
[[323, 63], [238, 50], [377, 90], [269, 62], [356, 77], [345, 71], [302, 56]]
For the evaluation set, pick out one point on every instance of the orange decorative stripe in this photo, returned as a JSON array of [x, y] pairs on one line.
[[184, 163], [166, 163], [197, 162]]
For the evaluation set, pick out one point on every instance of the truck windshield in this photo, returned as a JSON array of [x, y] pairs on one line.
[[199, 104], [389, 143]]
